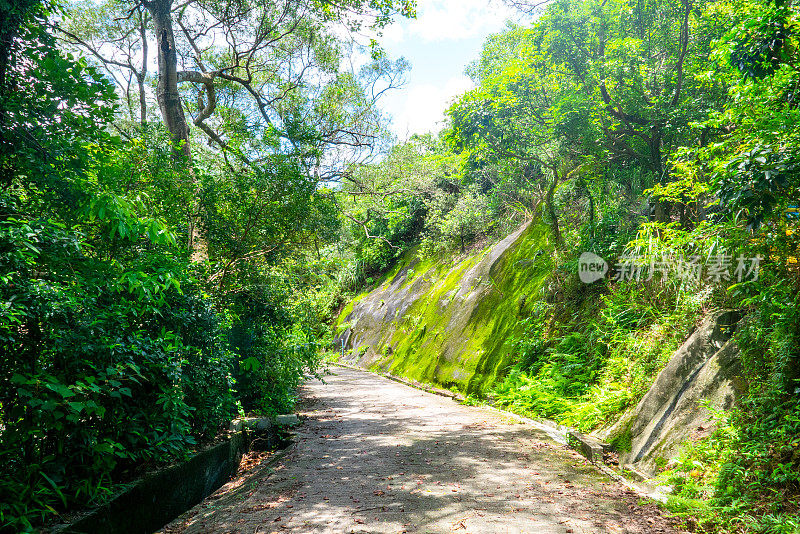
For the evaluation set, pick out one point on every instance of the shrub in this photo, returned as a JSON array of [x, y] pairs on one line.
[[105, 369]]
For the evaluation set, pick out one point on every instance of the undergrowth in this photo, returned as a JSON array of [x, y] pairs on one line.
[[588, 353], [587, 369], [746, 476]]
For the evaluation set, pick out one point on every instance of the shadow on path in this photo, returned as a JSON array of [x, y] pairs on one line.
[[376, 456]]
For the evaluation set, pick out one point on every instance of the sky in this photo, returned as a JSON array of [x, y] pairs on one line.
[[445, 37]]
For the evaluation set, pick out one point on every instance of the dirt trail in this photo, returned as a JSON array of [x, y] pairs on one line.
[[373, 455]]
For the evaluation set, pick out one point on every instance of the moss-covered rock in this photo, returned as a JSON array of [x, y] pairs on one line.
[[448, 322]]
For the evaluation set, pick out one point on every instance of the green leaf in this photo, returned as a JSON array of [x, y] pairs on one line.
[[55, 487], [61, 389], [17, 378]]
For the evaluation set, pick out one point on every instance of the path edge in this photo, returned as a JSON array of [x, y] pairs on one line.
[[556, 432]]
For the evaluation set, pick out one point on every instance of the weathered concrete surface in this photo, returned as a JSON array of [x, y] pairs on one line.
[[448, 323], [375, 317], [592, 449], [261, 424], [161, 496], [704, 370], [287, 420], [377, 456]]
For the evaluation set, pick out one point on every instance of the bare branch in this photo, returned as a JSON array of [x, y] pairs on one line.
[[94, 51], [684, 43]]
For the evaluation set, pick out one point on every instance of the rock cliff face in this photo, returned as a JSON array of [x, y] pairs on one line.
[[449, 324], [703, 375]]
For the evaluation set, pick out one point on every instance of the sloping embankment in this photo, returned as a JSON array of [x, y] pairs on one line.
[[701, 378], [450, 323]]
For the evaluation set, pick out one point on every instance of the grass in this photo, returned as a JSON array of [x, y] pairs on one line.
[[600, 359], [544, 345]]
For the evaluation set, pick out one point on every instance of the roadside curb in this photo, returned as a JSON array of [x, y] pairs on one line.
[[559, 433], [159, 497], [248, 475]]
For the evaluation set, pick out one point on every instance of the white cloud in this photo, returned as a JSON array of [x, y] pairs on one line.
[[444, 20], [424, 106], [459, 26]]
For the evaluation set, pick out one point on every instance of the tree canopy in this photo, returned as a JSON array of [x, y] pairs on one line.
[[192, 190]]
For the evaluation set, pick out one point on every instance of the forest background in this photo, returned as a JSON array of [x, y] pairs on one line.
[[192, 190]]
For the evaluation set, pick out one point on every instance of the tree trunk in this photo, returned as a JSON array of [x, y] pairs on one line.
[[142, 101], [656, 161], [551, 209], [142, 75], [683, 216], [171, 107], [169, 100], [662, 211]]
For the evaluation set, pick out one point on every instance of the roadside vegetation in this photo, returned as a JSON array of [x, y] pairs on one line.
[[175, 243], [663, 137], [153, 287]]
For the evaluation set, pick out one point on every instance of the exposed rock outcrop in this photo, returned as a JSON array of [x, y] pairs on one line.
[[703, 375], [449, 324]]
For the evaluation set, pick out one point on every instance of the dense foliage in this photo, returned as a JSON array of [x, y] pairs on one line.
[[658, 133], [121, 348], [168, 263]]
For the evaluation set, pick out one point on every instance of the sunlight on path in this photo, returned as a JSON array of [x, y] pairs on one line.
[[376, 456]]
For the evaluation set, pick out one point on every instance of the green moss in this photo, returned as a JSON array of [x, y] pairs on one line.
[[332, 356], [442, 340], [623, 441], [348, 309], [340, 328], [388, 277]]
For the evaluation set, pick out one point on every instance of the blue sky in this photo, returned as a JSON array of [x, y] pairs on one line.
[[444, 38]]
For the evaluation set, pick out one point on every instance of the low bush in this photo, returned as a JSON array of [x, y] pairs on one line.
[[106, 368]]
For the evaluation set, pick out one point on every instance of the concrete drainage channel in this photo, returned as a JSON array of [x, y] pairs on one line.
[[158, 498]]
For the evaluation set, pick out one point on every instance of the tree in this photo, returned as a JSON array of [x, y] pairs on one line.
[[526, 109], [641, 65], [120, 44], [50, 109], [466, 219], [283, 56], [753, 167]]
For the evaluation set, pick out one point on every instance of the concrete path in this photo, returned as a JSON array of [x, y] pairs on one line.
[[373, 455]]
